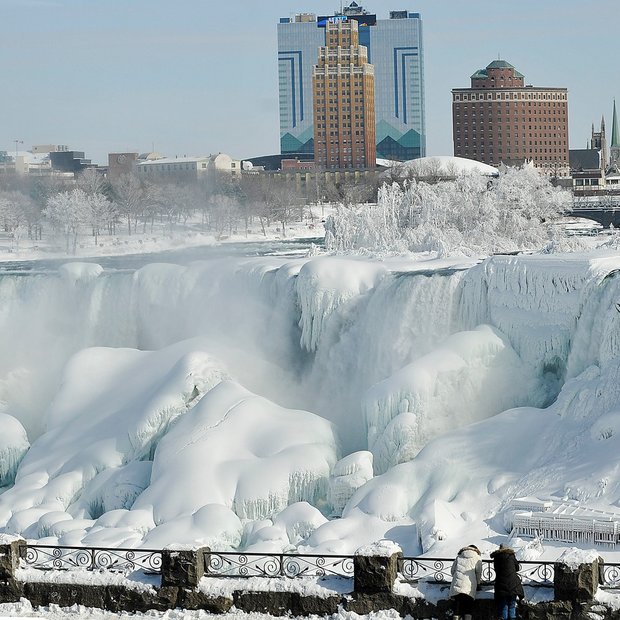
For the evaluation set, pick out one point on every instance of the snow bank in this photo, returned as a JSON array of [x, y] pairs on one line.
[[321, 587], [241, 451], [136, 580], [348, 475], [113, 408], [471, 376], [382, 548], [574, 557]]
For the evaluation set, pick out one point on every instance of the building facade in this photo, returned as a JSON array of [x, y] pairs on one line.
[[394, 47], [499, 120], [596, 170], [185, 169], [344, 100], [120, 164]]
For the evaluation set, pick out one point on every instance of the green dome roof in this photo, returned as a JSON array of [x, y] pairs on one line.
[[482, 74]]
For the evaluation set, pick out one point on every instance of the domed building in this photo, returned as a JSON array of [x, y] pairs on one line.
[[438, 168]]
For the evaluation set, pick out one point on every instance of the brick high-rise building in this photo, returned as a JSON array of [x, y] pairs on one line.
[[395, 49], [501, 120], [343, 85]]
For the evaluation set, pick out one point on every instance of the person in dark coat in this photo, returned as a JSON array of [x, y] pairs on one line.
[[507, 582]]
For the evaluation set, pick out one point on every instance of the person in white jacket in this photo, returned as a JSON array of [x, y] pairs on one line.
[[466, 574]]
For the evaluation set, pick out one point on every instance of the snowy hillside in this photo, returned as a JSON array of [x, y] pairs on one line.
[[248, 402]]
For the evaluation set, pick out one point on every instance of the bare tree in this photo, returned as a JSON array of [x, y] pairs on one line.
[[91, 182], [129, 195]]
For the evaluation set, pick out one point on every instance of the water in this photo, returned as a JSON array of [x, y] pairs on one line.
[[130, 262]]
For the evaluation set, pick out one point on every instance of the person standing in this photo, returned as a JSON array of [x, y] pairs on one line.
[[508, 585], [466, 573]]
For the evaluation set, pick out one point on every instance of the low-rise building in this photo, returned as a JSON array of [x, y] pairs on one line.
[[120, 163], [174, 169]]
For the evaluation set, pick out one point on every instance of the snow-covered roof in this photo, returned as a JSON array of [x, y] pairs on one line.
[[443, 166], [172, 160], [30, 158]]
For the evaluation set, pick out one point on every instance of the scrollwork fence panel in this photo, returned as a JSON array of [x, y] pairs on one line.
[[231, 564], [610, 576], [46, 557], [438, 570]]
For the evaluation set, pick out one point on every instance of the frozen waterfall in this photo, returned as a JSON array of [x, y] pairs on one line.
[[396, 355]]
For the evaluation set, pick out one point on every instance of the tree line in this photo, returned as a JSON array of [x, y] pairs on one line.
[[31, 207]]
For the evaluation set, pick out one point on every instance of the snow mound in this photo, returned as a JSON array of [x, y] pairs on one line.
[[576, 557], [381, 548], [212, 525], [442, 166], [241, 451], [80, 272], [111, 411], [348, 475], [470, 377]]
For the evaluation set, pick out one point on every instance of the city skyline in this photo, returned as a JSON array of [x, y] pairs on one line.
[[116, 76]]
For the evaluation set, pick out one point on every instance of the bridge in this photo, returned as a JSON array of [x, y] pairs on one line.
[[602, 209]]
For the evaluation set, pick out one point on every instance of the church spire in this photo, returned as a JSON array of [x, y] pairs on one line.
[[615, 134]]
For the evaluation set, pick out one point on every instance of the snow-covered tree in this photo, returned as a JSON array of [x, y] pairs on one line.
[[469, 215], [98, 213], [65, 211], [130, 196]]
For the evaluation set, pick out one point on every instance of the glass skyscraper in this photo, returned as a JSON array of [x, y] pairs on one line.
[[396, 51]]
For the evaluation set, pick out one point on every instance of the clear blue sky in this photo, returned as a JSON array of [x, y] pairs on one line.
[[200, 76]]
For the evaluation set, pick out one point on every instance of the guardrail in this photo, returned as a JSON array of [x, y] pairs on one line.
[[49, 557], [233, 564], [438, 570], [223, 564]]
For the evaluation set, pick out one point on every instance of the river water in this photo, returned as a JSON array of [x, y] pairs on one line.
[[130, 262]]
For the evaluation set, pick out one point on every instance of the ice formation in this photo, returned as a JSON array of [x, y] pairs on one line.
[[13, 446], [348, 475], [213, 402], [241, 451]]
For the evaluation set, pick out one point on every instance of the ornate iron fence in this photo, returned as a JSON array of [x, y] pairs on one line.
[[438, 570], [609, 574], [276, 565], [231, 564], [48, 557]]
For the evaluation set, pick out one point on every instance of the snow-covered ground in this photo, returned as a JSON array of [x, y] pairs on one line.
[[317, 403], [162, 238], [25, 610]]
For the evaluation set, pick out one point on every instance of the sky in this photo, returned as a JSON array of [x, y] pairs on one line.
[[194, 77]]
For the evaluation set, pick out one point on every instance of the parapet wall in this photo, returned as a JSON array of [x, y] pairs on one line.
[[182, 584]]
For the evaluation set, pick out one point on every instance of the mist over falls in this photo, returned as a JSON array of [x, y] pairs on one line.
[[393, 358]]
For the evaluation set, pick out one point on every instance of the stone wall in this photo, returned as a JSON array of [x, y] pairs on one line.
[[372, 590]]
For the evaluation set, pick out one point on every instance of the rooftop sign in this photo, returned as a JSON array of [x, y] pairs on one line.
[[362, 20]]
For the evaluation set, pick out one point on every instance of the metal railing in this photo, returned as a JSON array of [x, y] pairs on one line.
[[438, 570], [234, 564], [277, 565], [49, 557]]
